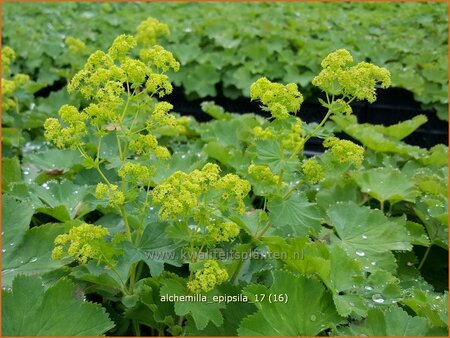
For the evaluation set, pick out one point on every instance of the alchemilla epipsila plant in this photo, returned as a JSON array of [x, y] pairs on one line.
[[145, 222]]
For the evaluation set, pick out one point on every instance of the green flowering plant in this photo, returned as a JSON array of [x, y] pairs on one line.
[[228, 227]]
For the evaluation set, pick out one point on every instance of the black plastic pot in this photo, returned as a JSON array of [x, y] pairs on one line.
[[392, 106]]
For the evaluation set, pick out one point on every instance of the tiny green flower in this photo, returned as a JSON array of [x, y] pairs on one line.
[[263, 173], [313, 171], [149, 31], [83, 242], [345, 151], [111, 192], [208, 278], [279, 99]]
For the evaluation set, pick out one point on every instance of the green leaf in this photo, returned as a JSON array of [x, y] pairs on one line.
[[11, 172], [232, 315], [54, 159], [157, 249], [342, 191], [32, 254], [29, 310], [386, 184], [12, 136], [432, 306], [64, 200], [289, 317], [269, 152], [375, 137], [393, 321], [435, 219], [296, 212], [16, 218], [201, 312], [367, 235], [150, 310]]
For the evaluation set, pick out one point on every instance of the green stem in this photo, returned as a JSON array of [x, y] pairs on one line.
[[280, 180], [132, 277], [292, 189], [136, 328], [119, 146], [102, 175], [320, 125], [264, 230], [424, 258], [123, 213]]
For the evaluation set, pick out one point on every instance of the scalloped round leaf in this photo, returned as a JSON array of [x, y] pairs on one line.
[[393, 321], [296, 212], [32, 255], [309, 309], [30, 310], [368, 235], [64, 200], [386, 184]]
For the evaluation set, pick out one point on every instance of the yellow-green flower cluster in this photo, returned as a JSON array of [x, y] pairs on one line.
[[161, 116], [263, 133], [111, 192], [8, 56], [121, 47], [208, 278], [232, 185], [70, 136], [345, 151], [358, 81], [223, 231], [136, 173], [279, 99], [136, 71], [12, 83], [148, 144], [263, 173], [158, 84], [76, 46], [159, 57], [180, 193], [149, 31], [313, 170], [84, 242], [293, 139]]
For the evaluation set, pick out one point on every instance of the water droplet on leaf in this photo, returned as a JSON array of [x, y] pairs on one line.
[[378, 299]]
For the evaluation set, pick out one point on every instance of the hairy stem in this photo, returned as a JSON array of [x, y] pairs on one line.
[[424, 258]]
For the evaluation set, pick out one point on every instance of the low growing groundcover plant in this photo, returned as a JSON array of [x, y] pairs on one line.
[[133, 220]]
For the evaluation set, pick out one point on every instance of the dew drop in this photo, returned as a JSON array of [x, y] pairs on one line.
[[360, 253], [364, 237], [410, 263], [3, 250], [378, 299], [373, 263], [12, 244], [313, 318], [33, 259], [369, 288]]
